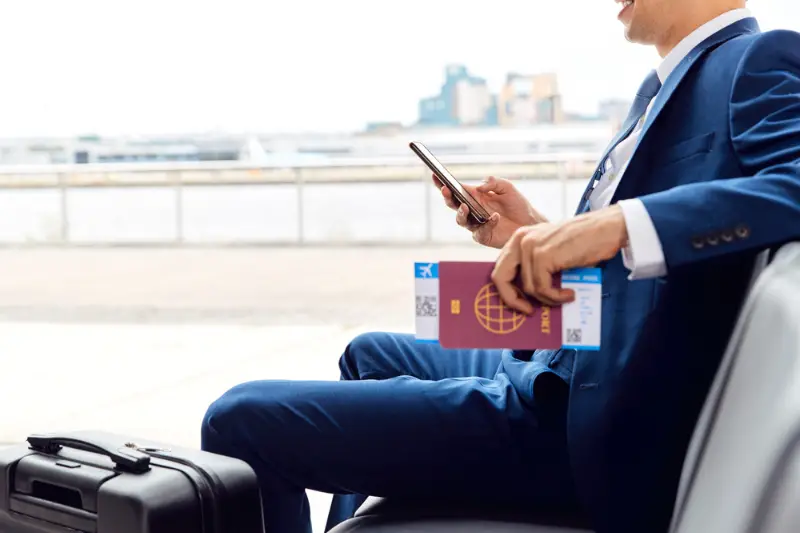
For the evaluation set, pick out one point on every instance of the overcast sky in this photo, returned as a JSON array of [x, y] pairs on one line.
[[150, 66]]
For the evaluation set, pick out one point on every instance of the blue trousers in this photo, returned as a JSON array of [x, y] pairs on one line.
[[405, 420]]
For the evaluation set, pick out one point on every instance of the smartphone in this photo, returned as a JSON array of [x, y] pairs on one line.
[[460, 195]]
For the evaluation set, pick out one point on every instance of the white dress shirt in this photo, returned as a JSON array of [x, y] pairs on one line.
[[644, 256]]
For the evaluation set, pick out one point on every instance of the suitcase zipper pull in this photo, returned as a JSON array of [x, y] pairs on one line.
[[145, 449]]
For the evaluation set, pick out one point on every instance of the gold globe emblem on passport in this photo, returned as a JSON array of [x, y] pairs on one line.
[[493, 315]]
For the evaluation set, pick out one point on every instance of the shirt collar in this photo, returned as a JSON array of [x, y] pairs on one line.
[[696, 37]]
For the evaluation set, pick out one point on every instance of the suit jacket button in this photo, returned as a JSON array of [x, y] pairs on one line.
[[713, 240], [697, 243], [727, 236], [743, 232]]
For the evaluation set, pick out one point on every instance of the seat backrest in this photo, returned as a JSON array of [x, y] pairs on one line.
[[752, 411], [777, 510]]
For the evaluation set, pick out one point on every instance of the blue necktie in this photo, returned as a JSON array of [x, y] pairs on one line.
[[648, 90]]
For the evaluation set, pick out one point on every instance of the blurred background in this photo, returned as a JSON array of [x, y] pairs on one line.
[[199, 193]]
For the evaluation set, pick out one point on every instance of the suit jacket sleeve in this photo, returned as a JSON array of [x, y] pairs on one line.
[[760, 209]]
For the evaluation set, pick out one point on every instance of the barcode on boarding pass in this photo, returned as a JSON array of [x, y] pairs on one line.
[[574, 336], [427, 306]]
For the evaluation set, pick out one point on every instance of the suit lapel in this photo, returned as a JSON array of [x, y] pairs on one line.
[[748, 25]]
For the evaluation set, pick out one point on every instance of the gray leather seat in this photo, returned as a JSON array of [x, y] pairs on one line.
[[777, 511], [398, 516], [737, 468], [742, 471], [379, 524]]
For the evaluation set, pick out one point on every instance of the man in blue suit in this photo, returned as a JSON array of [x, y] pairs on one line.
[[704, 174]]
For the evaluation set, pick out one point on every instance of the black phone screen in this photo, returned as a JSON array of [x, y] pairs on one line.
[[476, 210]]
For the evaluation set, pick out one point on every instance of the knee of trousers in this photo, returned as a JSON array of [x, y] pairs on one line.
[[232, 417], [361, 353]]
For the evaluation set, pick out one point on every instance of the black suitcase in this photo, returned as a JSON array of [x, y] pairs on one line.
[[102, 483]]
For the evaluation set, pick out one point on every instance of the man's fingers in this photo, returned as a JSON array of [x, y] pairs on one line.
[[531, 274], [553, 296], [446, 194], [527, 265], [504, 274], [448, 198], [495, 185], [543, 287], [565, 296], [482, 234], [545, 292], [514, 298], [464, 220], [462, 216], [536, 279]]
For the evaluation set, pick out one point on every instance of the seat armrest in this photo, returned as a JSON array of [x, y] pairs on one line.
[[371, 506], [409, 509]]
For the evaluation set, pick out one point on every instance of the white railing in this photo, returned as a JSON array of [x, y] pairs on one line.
[[343, 201], [334, 162]]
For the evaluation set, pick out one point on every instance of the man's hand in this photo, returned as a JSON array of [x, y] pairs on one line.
[[535, 253], [510, 211]]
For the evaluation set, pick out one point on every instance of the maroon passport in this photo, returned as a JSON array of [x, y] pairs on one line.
[[471, 314]]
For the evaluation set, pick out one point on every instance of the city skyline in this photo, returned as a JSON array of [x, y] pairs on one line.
[[119, 67], [465, 99]]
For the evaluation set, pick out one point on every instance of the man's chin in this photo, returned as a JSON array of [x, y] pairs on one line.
[[627, 33], [633, 36]]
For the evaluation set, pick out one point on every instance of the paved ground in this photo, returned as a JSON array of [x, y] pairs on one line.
[[346, 286], [140, 341]]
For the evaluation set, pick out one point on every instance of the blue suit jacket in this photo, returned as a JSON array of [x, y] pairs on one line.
[[718, 169]]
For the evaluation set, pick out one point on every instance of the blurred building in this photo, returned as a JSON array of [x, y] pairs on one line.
[[474, 104], [131, 149], [614, 111], [156, 149], [530, 99], [378, 127], [388, 141], [463, 100], [34, 152]]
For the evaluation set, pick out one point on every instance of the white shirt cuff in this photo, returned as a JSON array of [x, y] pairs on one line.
[[643, 256]]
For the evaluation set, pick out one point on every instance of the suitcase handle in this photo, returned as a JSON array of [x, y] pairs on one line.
[[128, 459]]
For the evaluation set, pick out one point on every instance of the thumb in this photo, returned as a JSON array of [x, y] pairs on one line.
[[496, 185]]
